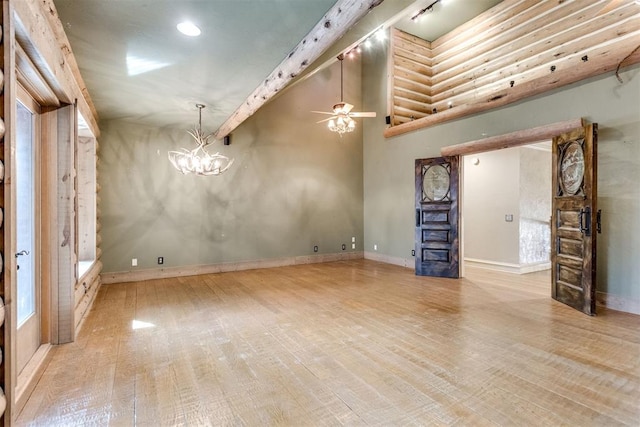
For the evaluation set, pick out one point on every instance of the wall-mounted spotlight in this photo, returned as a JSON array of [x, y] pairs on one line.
[[419, 13]]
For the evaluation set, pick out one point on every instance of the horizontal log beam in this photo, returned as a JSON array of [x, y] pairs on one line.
[[415, 96], [412, 105], [513, 139], [403, 73], [410, 64], [401, 83]]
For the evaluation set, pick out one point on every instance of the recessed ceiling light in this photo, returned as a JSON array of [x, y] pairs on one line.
[[188, 29]]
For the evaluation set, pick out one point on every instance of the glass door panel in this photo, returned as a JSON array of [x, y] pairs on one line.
[[28, 336]]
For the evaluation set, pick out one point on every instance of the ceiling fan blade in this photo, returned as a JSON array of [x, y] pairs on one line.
[[609, 7], [347, 107], [324, 112], [326, 120], [363, 114]]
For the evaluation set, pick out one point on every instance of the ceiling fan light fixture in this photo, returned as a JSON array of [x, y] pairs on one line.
[[342, 124], [189, 29], [341, 120]]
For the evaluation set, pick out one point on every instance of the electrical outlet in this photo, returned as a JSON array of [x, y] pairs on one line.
[[353, 239], [315, 249], [413, 252], [160, 260], [344, 246], [134, 262], [375, 247], [353, 246]]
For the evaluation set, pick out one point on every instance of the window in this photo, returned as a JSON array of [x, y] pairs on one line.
[[86, 171]]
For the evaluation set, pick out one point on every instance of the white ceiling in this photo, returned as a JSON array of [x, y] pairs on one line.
[[138, 67], [444, 16]]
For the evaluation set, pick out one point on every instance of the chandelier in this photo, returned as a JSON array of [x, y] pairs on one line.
[[198, 161]]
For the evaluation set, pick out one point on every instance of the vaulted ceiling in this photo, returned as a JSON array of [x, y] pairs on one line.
[[138, 67]]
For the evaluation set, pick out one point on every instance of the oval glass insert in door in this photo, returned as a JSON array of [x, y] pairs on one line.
[[572, 167], [435, 183]]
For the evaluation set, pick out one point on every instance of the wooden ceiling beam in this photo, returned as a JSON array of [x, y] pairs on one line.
[[513, 139], [336, 22]]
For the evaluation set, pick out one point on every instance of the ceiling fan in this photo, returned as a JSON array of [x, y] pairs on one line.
[[341, 119]]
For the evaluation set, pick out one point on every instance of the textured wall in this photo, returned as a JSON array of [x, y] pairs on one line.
[[535, 205], [388, 164], [294, 185]]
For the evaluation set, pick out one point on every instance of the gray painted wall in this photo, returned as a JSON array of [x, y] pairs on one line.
[[294, 185], [388, 164]]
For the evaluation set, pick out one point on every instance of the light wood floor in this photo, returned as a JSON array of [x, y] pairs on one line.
[[345, 343]]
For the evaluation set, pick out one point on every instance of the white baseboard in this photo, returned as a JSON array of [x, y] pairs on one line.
[[387, 259], [538, 266], [507, 267], [613, 302], [195, 270]]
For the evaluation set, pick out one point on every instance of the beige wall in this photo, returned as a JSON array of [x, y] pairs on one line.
[[293, 185], [491, 190]]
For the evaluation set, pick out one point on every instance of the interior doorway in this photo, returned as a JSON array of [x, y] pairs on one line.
[[506, 209]]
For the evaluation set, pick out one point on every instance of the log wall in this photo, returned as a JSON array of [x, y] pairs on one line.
[[36, 53], [4, 333], [88, 284], [517, 49]]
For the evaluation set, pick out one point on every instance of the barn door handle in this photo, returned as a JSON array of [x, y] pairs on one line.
[[417, 217], [599, 221], [585, 221]]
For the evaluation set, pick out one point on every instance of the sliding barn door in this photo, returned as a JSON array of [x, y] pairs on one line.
[[437, 217], [573, 229]]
